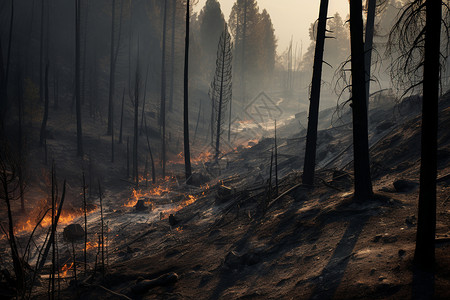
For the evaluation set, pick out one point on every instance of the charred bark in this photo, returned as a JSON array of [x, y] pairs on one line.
[[187, 152], [313, 117], [77, 78], [363, 182], [162, 114], [424, 255], [42, 136]]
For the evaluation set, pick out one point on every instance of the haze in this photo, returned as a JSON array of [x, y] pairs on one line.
[[290, 18]]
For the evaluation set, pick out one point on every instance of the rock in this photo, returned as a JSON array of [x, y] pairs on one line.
[[172, 220], [140, 205], [403, 185], [73, 232], [401, 252]]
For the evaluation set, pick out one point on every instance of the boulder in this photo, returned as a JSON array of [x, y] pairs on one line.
[[73, 232]]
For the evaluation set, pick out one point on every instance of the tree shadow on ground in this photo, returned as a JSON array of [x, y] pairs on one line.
[[332, 274], [423, 284]]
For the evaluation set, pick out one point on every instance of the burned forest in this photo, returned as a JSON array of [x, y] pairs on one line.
[[224, 149]]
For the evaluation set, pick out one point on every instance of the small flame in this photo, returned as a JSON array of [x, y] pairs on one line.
[[65, 269]]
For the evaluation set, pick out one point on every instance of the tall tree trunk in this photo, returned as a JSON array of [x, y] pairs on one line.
[[313, 117], [368, 45], [17, 263], [8, 58], [21, 150], [121, 117], [136, 134], [77, 78], [41, 56], [111, 71], [143, 100], [172, 55], [424, 255], [83, 89], [187, 153], [3, 100], [43, 137], [162, 114], [363, 182], [112, 137], [244, 41], [151, 154]]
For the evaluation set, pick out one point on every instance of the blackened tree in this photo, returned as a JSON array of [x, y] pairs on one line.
[[313, 117], [416, 36], [221, 86]]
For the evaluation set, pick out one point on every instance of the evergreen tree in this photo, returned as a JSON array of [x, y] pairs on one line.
[[212, 22]]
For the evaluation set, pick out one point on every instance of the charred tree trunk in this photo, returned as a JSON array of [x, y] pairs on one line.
[[143, 100], [244, 41], [313, 117], [3, 100], [221, 86], [172, 55], [424, 255], [43, 137], [112, 136], [83, 89], [112, 70], [121, 117], [7, 176], [41, 56], [151, 155], [162, 114], [368, 44], [77, 78], [21, 165], [363, 182], [187, 152], [136, 133]]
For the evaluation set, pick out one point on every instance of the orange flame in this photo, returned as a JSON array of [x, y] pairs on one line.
[[65, 269]]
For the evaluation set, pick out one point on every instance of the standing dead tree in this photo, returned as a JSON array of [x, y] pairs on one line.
[[187, 152], [114, 52], [43, 137], [78, 77], [162, 113], [137, 84], [416, 36], [313, 117], [363, 182], [221, 86], [9, 166]]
